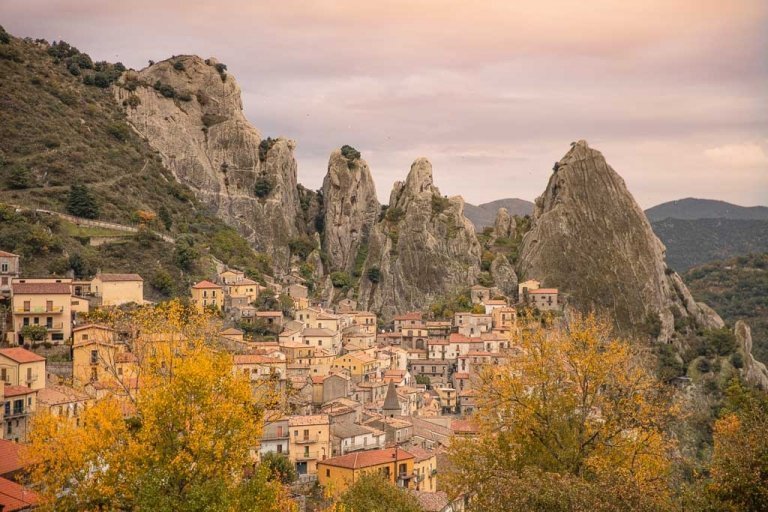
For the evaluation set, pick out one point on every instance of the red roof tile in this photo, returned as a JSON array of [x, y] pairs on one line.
[[108, 278], [368, 458], [15, 497], [11, 390], [42, 288], [205, 284], [21, 355], [8, 254], [10, 457]]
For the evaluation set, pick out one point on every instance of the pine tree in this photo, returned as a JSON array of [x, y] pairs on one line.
[[81, 203]]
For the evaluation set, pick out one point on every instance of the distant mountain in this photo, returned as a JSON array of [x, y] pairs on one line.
[[691, 208], [694, 242], [484, 215]]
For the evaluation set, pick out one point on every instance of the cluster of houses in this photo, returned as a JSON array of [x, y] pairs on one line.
[[355, 397]]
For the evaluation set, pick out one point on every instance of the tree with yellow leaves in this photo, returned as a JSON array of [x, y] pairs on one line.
[[574, 420], [186, 443]]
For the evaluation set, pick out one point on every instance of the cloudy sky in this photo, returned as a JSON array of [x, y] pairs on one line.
[[673, 92]]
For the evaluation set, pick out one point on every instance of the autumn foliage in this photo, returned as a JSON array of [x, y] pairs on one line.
[[574, 420], [179, 437]]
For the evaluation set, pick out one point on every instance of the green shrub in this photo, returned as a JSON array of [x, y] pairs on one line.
[[184, 96], [395, 214], [350, 153], [132, 101], [264, 146], [737, 360], [703, 365], [374, 274], [165, 217], [301, 247], [5, 38], [722, 341], [81, 203], [119, 131], [341, 279], [164, 89], [178, 65], [102, 80], [263, 186], [162, 281], [74, 69], [439, 204], [279, 467], [185, 252], [34, 332], [18, 178]]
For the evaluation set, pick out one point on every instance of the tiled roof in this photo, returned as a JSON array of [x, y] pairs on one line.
[[42, 288], [8, 254], [110, 278], [420, 453], [205, 284], [255, 359], [269, 313], [57, 395], [231, 330], [10, 457], [410, 316], [431, 501], [463, 426], [543, 291], [11, 390], [316, 419], [318, 332], [94, 326], [15, 497], [368, 458], [21, 355]]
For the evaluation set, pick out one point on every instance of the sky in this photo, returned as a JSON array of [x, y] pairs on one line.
[[673, 92]]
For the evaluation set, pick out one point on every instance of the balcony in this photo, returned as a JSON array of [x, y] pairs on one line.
[[304, 457], [274, 437], [31, 378], [306, 440], [15, 413], [55, 326], [39, 310]]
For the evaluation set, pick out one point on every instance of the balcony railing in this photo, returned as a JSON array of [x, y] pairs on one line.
[[304, 457], [15, 413], [55, 326], [40, 309], [306, 440], [274, 437], [359, 446]]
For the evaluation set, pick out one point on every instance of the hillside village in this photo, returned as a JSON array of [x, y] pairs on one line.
[[356, 393]]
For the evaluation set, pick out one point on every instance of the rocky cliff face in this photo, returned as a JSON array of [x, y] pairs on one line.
[[754, 371], [351, 209], [423, 247], [591, 240], [190, 110]]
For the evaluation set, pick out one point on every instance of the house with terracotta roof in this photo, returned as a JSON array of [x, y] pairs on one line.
[[425, 468], [412, 320], [438, 501], [9, 269], [98, 356], [349, 437], [18, 404], [257, 366], [11, 461], [338, 473], [206, 294], [362, 367], [118, 289], [322, 337], [45, 303], [64, 402], [309, 443], [21, 367], [231, 276], [544, 299], [247, 288], [479, 294], [15, 497], [525, 287]]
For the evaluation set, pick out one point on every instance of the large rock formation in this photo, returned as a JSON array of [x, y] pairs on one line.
[[190, 110], [753, 371], [423, 248], [350, 209], [591, 240], [505, 225]]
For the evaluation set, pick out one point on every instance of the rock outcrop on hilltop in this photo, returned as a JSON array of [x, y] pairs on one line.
[[505, 225], [423, 247], [350, 209], [591, 240], [753, 371], [190, 111]]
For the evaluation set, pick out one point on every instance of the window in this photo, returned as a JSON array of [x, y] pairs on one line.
[[4, 267], [328, 473], [26, 305], [94, 374], [49, 305], [94, 356], [84, 337], [57, 336], [306, 452], [280, 448], [3, 374]]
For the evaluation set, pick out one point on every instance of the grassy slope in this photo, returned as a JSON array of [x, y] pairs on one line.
[[738, 290], [59, 131]]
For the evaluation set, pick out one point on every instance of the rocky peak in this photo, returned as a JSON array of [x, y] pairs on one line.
[[190, 111], [505, 225], [591, 240], [424, 247], [351, 209]]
